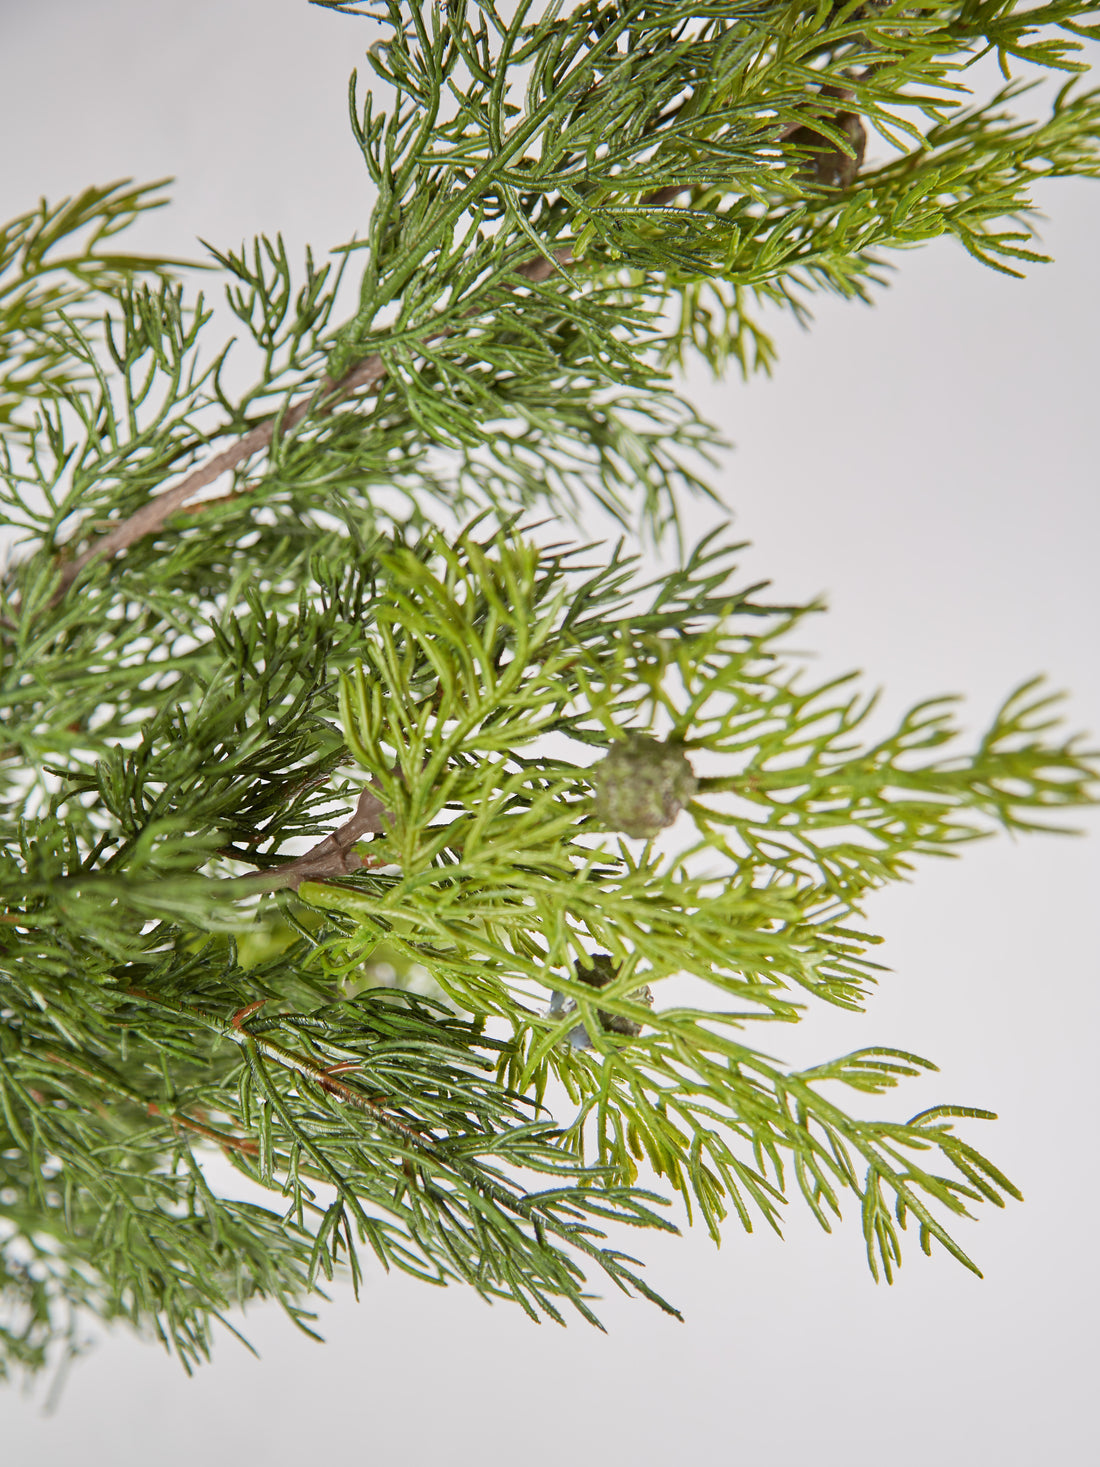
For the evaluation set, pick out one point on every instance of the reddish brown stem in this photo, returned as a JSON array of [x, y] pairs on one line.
[[178, 1120], [332, 856]]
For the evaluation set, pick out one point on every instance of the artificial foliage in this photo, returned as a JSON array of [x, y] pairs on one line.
[[362, 818]]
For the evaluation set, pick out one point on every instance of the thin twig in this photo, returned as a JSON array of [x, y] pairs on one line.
[[176, 1118], [255, 1045], [152, 515], [332, 856]]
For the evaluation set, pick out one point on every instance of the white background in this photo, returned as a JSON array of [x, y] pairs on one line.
[[929, 465]]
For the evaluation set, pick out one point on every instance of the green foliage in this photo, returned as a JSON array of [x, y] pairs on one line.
[[566, 203], [493, 876], [41, 289], [538, 132]]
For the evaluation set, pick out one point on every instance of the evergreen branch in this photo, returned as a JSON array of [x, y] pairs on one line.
[[750, 247], [519, 719], [152, 516]]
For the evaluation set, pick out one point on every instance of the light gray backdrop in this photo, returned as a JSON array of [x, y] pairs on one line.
[[929, 464]]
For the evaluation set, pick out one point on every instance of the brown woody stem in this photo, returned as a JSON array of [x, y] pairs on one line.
[[333, 856], [151, 516]]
